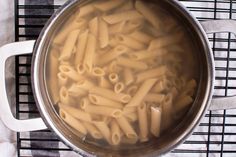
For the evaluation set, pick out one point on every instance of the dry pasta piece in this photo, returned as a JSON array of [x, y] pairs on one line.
[[159, 87], [151, 73], [129, 42], [183, 102], [84, 102], [117, 28], [154, 97], [132, 25], [190, 88], [103, 82], [103, 110], [164, 41], [92, 130], [113, 54], [70, 72], [103, 34], [104, 129], [126, 140], [167, 112], [141, 93], [128, 5], [108, 5], [128, 110], [113, 77], [144, 54], [52, 73], [64, 97], [62, 79], [80, 68], [93, 26], [98, 72], [69, 45], [132, 90], [132, 117], [143, 122], [89, 52], [99, 100], [141, 36], [148, 14], [81, 46], [76, 91], [129, 63], [68, 27], [77, 113], [120, 97], [128, 77], [85, 84], [73, 122], [85, 10], [119, 87], [123, 16], [155, 125], [114, 68], [115, 133], [126, 128]]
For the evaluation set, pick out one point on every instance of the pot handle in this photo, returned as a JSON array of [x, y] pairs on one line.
[[217, 26], [6, 115]]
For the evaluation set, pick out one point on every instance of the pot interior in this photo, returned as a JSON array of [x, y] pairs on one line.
[[168, 140]]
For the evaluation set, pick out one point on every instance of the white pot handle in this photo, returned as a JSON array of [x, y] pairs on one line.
[[217, 26], [8, 119]]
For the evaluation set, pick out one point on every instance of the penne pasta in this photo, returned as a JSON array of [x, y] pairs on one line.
[[156, 113], [80, 68], [92, 130], [153, 97], [89, 52], [120, 97], [117, 28], [183, 103], [103, 34], [77, 113], [141, 93], [143, 54], [108, 5], [148, 14], [99, 100], [62, 79], [85, 11], [76, 91], [69, 45], [126, 62], [132, 90], [167, 112], [74, 123], [119, 87], [131, 25], [85, 85], [98, 72], [131, 117], [113, 77], [128, 77], [93, 26], [70, 26], [113, 54], [128, 109], [159, 87], [104, 129], [64, 97], [141, 37], [115, 133], [143, 122], [104, 83], [70, 72], [129, 42], [81, 46], [126, 128], [152, 73], [123, 16]]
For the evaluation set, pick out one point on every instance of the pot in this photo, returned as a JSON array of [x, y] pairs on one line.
[[50, 119]]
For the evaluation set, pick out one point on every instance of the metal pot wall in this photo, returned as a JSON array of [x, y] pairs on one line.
[[50, 118]]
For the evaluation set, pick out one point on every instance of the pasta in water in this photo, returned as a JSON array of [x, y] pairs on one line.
[[118, 75]]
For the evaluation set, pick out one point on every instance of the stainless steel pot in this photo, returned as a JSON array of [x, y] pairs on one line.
[[202, 103]]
